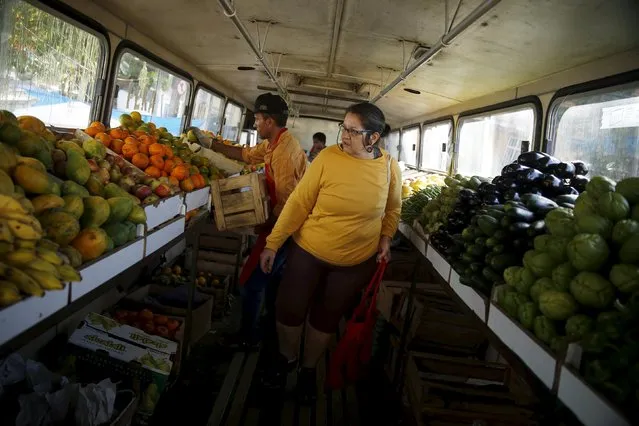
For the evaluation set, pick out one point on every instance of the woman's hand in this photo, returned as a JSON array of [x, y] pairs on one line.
[[266, 260], [384, 250]]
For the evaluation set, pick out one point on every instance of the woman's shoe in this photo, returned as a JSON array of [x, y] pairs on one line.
[[306, 386], [276, 374]]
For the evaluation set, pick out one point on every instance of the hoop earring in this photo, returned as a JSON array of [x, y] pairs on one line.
[[369, 148]]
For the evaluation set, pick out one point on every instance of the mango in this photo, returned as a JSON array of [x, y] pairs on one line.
[[29, 143], [112, 190], [10, 133], [78, 169], [94, 149], [94, 186], [8, 158], [118, 232], [71, 188], [120, 208], [96, 212], [73, 205], [44, 156], [67, 146], [91, 243], [32, 124], [31, 180], [45, 202], [33, 163], [137, 215], [6, 184], [60, 227]]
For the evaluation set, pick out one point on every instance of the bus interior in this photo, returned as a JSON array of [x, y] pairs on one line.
[[467, 86]]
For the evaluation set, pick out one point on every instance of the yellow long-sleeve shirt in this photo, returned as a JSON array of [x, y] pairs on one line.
[[341, 207], [287, 162]]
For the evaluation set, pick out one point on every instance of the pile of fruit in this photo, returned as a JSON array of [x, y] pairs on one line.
[[163, 158], [170, 276], [208, 280], [413, 206], [500, 234], [580, 283], [410, 186], [147, 321]]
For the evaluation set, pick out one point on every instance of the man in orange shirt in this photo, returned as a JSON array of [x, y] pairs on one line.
[[285, 164]]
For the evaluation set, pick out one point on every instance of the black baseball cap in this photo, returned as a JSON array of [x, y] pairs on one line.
[[271, 104]]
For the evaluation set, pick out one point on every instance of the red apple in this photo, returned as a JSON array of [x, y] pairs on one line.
[[162, 190], [142, 191]]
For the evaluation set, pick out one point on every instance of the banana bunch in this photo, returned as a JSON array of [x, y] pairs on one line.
[[16, 223]]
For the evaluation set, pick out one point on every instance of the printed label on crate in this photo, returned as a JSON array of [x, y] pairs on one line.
[[131, 334], [96, 340]]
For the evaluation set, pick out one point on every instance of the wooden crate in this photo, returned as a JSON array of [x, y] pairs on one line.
[[240, 201]]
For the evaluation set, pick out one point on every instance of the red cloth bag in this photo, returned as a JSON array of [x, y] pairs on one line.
[[354, 349]]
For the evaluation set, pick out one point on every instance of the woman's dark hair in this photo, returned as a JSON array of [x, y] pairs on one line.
[[319, 136], [372, 118]]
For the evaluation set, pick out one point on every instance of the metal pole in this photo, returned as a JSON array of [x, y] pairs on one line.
[[231, 13], [444, 41]]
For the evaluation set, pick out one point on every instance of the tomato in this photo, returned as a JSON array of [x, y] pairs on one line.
[[149, 327], [160, 319], [172, 324], [146, 315], [162, 331]]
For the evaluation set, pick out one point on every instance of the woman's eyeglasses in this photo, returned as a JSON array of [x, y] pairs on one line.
[[353, 132]]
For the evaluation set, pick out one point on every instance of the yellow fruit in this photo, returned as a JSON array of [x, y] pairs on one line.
[[45, 280], [49, 256], [20, 257], [33, 124], [9, 285], [60, 227], [24, 218], [5, 232], [47, 244], [10, 203], [24, 282], [24, 202], [41, 203], [6, 184], [32, 180], [5, 248], [33, 163], [8, 296], [69, 274], [23, 231], [25, 244], [42, 266], [74, 256], [8, 158], [91, 243], [136, 116], [73, 205]]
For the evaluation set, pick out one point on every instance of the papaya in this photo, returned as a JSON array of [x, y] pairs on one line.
[[118, 232], [78, 169], [96, 211], [8, 158], [67, 146], [91, 243], [32, 162], [32, 124], [71, 188], [94, 186], [137, 215], [73, 205], [132, 228], [60, 227], [120, 208], [6, 184], [10, 133], [94, 149], [31, 180], [74, 256], [112, 190], [45, 202]]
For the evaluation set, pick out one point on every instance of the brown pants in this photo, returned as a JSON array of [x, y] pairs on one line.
[[326, 289]]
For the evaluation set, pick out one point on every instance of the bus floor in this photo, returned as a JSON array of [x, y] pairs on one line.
[[220, 387]]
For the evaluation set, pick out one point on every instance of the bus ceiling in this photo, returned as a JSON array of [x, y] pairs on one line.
[[412, 58]]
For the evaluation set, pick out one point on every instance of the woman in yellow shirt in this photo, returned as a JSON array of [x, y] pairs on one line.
[[342, 217]]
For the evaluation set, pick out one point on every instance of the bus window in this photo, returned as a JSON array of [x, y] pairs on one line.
[[48, 67], [487, 142], [244, 138], [410, 141], [159, 95], [391, 143], [207, 110], [232, 120], [600, 127], [436, 140]]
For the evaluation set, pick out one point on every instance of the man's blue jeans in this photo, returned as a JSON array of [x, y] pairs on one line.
[[253, 293]]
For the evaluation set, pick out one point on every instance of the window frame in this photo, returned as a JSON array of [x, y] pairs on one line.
[[127, 46], [202, 86], [417, 145], [399, 141], [239, 125], [71, 16], [507, 106], [451, 141], [577, 89]]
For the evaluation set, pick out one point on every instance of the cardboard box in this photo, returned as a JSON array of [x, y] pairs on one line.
[[101, 354], [201, 314]]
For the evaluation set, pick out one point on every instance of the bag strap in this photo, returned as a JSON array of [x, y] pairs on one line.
[[372, 290]]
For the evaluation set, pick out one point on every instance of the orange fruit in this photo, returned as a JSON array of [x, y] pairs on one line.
[[131, 139], [116, 145], [157, 161], [164, 174], [141, 161], [118, 133], [98, 125], [156, 149], [168, 151], [173, 181], [143, 148], [180, 172], [129, 150], [187, 185], [153, 172], [168, 165], [104, 139], [92, 131]]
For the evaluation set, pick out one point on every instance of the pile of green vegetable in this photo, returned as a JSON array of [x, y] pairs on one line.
[[580, 282], [413, 206]]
